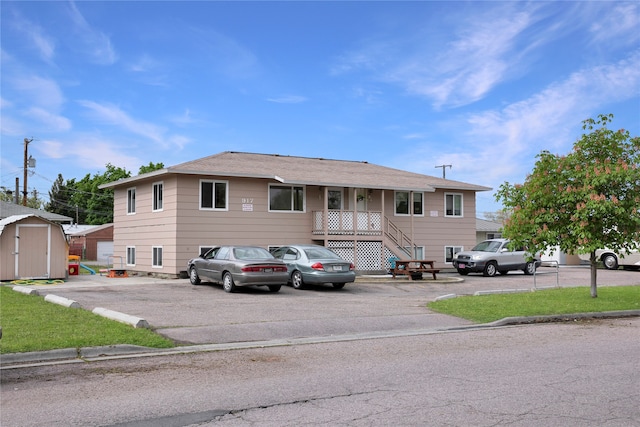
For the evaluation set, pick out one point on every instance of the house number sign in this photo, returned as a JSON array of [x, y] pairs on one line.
[[247, 204]]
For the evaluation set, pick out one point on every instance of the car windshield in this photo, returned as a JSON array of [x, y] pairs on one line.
[[320, 253], [251, 253], [487, 246]]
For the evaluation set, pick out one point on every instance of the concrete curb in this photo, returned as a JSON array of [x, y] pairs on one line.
[[89, 354], [563, 317], [26, 291], [62, 301], [136, 322]]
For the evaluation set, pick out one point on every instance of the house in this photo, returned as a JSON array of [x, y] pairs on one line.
[[364, 212], [487, 230], [94, 243], [32, 247]]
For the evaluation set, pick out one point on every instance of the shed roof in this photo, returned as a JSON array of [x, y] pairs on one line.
[[9, 209], [306, 171], [17, 218]]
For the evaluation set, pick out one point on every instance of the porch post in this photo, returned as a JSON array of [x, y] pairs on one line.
[[355, 227], [325, 214]]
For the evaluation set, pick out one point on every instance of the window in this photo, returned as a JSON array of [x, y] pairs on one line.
[[417, 204], [453, 205], [494, 236], [157, 196], [450, 251], [334, 199], [131, 255], [131, 200], [402, 203], [213, 195], [204, 249], [156, 256], [286, 198]]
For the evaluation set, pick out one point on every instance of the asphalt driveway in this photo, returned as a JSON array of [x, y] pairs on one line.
[[205, 314]]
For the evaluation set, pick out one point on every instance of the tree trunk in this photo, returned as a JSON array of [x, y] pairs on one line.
[[594, 275]]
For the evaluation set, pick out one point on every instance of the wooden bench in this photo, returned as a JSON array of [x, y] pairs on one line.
[[414, 269]]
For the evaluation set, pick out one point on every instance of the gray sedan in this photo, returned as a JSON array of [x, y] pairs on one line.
[[235, 266], [313, 264]]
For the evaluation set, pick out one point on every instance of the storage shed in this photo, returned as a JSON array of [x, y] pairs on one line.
[[32, 247]]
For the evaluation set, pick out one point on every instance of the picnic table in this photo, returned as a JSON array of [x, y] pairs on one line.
[[414, 268]]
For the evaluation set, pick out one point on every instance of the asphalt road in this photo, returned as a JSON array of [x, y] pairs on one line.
[[426, 369]]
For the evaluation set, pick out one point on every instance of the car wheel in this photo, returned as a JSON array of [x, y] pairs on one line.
[[227, 283], [610, 262], [490, 269], [338, 285], [274, 288], [463, 272], [530, 268], [193, 276], [296, 280]]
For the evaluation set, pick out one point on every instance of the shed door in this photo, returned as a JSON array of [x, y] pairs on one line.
[[32, 247]]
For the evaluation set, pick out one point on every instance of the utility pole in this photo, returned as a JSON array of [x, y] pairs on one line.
[[444, 168], [26, 164]]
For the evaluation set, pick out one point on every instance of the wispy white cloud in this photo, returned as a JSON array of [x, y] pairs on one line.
[[40, 91], [620, 21], [288, 99], [503, 143], [95, 43], [111, 114], [53, 122], [91, 151], [457, 72]]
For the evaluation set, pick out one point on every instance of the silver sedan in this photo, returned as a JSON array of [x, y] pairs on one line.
[[234, 266], [314, 264]]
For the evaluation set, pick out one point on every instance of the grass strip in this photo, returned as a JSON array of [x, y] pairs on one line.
[[488, 308], [29, 323]]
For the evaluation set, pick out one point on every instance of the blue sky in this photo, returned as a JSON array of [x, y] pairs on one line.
[[481, 86]]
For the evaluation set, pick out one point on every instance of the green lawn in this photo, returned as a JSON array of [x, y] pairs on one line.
[[488, 308], [29, 323]]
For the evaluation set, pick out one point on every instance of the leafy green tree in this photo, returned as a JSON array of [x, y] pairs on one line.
[[150, 167], [60, 198], [96, 204], [586, 200]]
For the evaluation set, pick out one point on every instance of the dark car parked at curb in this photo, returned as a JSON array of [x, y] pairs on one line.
[[234, 266], [494, 256], [314, 264]]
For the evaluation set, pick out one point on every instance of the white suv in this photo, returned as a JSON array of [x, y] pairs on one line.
[[494, 256]]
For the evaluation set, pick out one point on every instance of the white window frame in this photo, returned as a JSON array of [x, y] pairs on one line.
[[454, 196], [292, 187], [453, 251], [131, 201], [154, 257], [395, 203], [213, 195], [131, 253], [413, 202], [157, 192]]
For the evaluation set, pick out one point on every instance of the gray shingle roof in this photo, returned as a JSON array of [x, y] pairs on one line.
[[9, 209], [308, 171]]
